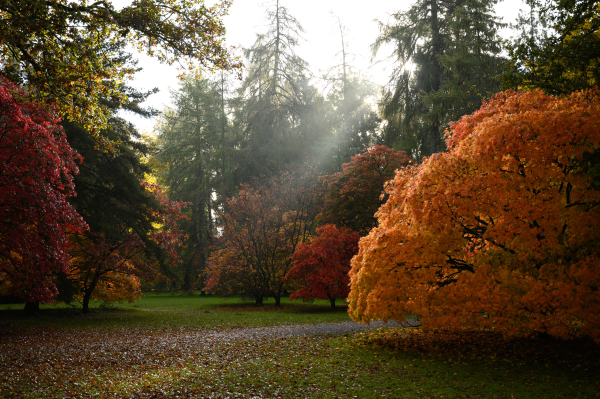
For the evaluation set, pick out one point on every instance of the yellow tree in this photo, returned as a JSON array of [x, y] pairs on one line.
[[501, 232]]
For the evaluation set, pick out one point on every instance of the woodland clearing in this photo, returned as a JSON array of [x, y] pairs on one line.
[[173, 346]]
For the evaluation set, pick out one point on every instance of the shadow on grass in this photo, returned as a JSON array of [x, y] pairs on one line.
[[581, 354]]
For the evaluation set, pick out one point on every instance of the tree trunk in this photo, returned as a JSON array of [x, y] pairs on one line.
[[332, 301], [436, 75], [87, 294], [277, 300], [86, 301], [32, 307]]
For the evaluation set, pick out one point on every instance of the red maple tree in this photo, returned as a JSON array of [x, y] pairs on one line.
[[36, 169], [321, 267], [354, 195]]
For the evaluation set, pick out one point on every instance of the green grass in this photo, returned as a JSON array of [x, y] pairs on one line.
[[153, 348], [176, 310]]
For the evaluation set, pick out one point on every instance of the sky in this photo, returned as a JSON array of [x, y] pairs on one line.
[[320, 45]]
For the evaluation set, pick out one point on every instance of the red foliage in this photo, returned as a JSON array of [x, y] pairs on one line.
[[354, 195], [321, 267], [36, 171], [502, 232]]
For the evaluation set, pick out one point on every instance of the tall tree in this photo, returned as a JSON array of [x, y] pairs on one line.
[[58, 47], [454, 47], [353, 122], [193, 143], [278, 117], [37, 166], [567, 58]]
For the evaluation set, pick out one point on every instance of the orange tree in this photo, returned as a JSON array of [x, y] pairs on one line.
[[354, 194], [321, 267], [108, 265], [501, 232], [260, 230]]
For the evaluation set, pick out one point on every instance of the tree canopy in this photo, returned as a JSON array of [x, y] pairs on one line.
[[59, 47], [36, 178], [501, 232]]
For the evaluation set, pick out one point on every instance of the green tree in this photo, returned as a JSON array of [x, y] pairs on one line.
[[279, 107], [58, 47], [567, 57], [193, 150], [454, 48]]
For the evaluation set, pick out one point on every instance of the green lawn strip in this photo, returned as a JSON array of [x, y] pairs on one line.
[[176, 311], [324, 367]]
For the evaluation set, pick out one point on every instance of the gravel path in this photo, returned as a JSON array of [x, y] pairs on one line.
[[303, 330]]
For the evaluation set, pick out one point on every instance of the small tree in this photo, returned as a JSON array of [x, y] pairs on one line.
[[261, 228], [109, 267], [354, 195], [321, 267]]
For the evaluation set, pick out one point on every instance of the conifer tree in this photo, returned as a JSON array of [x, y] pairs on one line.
[[454, 48]]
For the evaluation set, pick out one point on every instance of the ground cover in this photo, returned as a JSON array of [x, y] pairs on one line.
[[168, 310], [154, 360]]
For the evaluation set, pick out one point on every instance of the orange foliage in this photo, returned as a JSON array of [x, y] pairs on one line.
[[502, 232]]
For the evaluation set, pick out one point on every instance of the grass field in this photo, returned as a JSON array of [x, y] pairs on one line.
[[151, 349]]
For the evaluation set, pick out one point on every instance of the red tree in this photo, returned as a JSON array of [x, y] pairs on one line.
[[321, 267], [354, 195], [36, 169]]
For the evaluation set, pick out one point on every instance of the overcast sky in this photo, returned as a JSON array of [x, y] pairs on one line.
[[321, 40]]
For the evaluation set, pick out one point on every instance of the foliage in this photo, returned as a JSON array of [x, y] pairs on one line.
[[36, 178], [114, 260], [279, 114], [321, 267], [193, 159], [499, 233], [454, 48], [354, 195], [567, 58], [261, 228], [58, 47]]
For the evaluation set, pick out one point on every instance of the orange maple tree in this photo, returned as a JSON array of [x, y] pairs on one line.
[[321, 267], [502, 232]]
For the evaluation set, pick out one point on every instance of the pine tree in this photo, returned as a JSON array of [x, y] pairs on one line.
[[455, 49], [278, 115]]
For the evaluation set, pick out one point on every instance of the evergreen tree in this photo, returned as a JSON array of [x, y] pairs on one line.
[[560, 60], [455, 49], [279, 118], [352, 121], [193, 156]]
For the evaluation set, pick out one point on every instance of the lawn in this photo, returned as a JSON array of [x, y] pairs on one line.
[[155, 348]]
